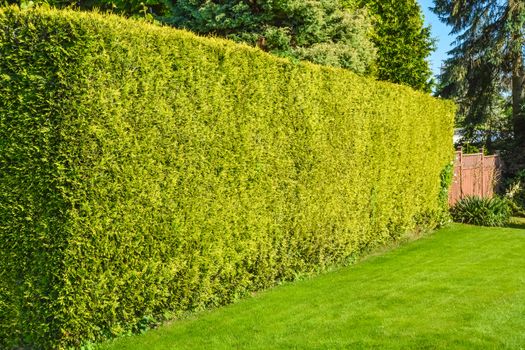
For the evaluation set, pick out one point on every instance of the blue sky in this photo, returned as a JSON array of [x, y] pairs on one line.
[[440, 32]]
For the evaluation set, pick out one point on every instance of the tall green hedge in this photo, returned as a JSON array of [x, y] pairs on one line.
[[144, 170]]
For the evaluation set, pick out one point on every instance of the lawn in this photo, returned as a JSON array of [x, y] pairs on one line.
[[460, 288]]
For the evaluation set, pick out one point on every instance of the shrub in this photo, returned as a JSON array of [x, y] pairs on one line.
[[144, 171], [482, 211], [515, 193]]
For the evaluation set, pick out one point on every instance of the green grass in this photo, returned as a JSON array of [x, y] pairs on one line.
[[460, 288]]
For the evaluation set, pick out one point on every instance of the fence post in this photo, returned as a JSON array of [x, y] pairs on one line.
[[482, 174], [460, 172]]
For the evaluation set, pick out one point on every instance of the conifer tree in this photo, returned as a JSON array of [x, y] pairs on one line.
[[487, 60], [320, 31], [403, 42]]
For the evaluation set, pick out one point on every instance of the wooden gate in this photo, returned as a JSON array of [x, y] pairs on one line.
[[474, 175]]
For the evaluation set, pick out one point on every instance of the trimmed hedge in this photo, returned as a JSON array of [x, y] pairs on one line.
[[144, 170]]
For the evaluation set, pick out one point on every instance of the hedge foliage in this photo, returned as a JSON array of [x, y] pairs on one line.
[[144, 170]]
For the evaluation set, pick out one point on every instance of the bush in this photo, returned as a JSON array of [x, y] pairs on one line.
[[145, 171], [482, 211], [515, 193]]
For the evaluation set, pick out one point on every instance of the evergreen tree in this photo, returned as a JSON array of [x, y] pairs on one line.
[[402, 41], [487, 60], [320, 31]]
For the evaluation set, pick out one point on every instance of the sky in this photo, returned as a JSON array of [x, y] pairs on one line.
[[440, 32]]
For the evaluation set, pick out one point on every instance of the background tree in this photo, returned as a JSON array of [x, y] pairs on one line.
[[486, 65], [484, 107], [403, 42], [320, 31]]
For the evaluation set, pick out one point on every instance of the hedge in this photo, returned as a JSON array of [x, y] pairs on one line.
[[145, 171]]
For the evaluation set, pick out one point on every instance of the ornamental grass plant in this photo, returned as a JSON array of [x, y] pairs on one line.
[[482, 211]]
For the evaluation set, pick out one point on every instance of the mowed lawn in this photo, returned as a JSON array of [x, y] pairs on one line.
[[462, 287]]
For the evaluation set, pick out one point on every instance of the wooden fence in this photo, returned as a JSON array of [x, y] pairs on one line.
[[474, 175]]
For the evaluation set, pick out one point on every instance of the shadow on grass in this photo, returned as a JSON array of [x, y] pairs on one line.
[[518, 223], [518, 226]]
